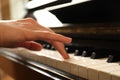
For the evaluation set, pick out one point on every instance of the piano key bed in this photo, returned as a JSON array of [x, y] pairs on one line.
[[75, 68]]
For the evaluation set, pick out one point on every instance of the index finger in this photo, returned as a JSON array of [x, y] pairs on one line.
[[61, 48], [45, 35]]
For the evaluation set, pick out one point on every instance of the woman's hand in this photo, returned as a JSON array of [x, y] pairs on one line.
[[23, 33]]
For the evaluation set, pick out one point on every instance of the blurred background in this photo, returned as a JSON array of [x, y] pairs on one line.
[[12, 9]]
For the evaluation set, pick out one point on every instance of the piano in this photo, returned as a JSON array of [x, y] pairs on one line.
[[94, 52]]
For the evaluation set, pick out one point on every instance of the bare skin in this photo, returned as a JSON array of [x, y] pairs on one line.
[[23, 33]]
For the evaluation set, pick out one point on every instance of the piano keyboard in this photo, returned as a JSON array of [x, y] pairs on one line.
[[85, 67]]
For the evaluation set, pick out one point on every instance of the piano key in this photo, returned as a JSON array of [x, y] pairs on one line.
[[70, 48], [82, 63], [51, 58], [93, 71], [87, 52], [48, 46], [32, 55], [74, 69], [63, 66], [54, 59], [50, 61], [37, 56], [115, 75], [52, 48], [79, 51], [100, 53], [113, 58], [60, 64], [105, 73], [84, 67]]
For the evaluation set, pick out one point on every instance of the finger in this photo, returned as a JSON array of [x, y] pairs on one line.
[[30, 45], [60, 47], [45, 35], [31, 24]]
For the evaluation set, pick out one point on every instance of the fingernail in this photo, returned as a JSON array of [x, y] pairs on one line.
[[69, 40], [66, 56]]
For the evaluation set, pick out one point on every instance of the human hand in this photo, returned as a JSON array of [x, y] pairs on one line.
[[23, 33]]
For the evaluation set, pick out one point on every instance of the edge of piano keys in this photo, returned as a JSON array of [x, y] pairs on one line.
[[44, 58], [116, 75], [106, 73], [93, 71], [37, 59], [76, 68]]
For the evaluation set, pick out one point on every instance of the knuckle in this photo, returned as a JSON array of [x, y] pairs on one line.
[[48, 34], [31, 20]]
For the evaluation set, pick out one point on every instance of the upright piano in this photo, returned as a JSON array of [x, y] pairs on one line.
[[94, 52]]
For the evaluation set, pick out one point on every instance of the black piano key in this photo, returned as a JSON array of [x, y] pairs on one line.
[[84, 53], [114, 57], [44, 45], [48, 46], [100, 53], [87, 52], [70, 48], [80, 50], [52, 48]]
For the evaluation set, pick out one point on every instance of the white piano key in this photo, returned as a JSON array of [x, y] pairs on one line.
[[81, 63], [74, 69], [84, 67], [105, 73], [50, 62], [74, 65], [66, 67], [93, 71], [54, 59], [48, 57], [116, 75]]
